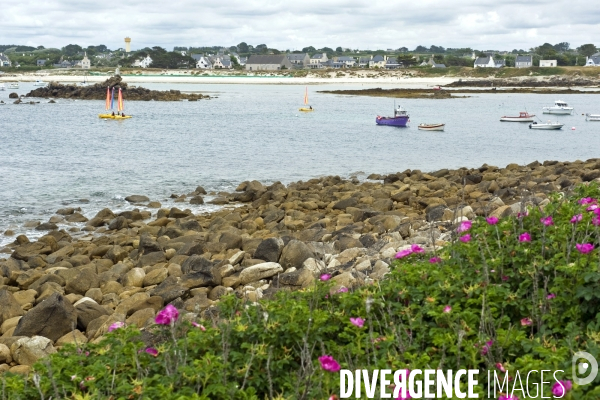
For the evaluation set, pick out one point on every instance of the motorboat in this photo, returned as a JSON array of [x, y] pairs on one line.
[[559, 107], [592, 117], [547, 125], [523, 117], [431, 127], [13, 85], [400, 118], [39, 83]]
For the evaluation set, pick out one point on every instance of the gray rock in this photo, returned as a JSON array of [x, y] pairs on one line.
[[195, 263], [259, 271], [343, 204], [197, 200], [136, 198], [294, 254], [269, 250], [46, 226], [9, 307], [148, 245], [87, 312], [26, 351], [118, 223], [52, 318]]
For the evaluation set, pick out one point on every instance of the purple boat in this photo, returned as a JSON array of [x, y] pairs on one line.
[[400, 118]]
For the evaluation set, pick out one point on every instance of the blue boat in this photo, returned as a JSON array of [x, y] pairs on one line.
[[400, 118]]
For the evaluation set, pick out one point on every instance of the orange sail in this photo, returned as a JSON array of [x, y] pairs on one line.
[[306, 96], [120, 101], [108, 98]]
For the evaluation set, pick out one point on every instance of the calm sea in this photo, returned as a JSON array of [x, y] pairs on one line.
[[56, 155]]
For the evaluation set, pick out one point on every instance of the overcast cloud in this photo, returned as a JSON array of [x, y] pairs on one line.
[[357, 24]]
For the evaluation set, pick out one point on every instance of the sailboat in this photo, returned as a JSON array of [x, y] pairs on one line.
[[85, 81], [110, 96], [307, 107]]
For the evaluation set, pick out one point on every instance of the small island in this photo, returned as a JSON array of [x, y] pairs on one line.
[[98, 92]]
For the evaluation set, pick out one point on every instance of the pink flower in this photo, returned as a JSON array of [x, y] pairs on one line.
[[596, 220], [587, 200], [504, 278], [526, 321], [328, 363], [593, 207], [415, 248], [576, 218], [465, 238], [519, 215], [492, 220], [357, 322], [325, 277], [167, 315], [584, 248], [197, 325], [560, 388], [464, 226], [404, 253], [486, 347], [116, 325], [547, 220], [447, 309], [525, 237], [152, 351], [508, 397], [500, 367], [343, 289], [550, 296], [435, 260]]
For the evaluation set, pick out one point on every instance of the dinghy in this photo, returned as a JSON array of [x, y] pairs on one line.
[[548, 125], [431, 127]]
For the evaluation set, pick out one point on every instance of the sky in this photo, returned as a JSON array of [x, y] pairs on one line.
[[355, 24]]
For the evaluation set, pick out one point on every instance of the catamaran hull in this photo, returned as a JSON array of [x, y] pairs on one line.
[[392, 121]]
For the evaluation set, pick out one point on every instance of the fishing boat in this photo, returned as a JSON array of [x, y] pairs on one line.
[[559, 107], [307, 107], [547, 126], [13, 85], [592, 117], [39, 83], [523, 117], [431, 127], [400, 118], [110, 96]]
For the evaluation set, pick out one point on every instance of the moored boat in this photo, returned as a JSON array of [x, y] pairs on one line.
[[559, 107], [431, 127], [109, 106], [400, 118], [13, 85], [39, 83], [547, 125], [523, 117], [307, 107], [592, 117], [2, 86]]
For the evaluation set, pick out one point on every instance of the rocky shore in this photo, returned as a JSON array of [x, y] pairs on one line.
[[519, 82], [98, 92], [265, 239]]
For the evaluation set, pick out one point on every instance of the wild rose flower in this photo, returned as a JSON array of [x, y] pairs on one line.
[[167, 315], [508, 397], [486, 347], [584, 248], [519, 215], [116, 325], [328, 363], [500, 367], [596, 221], [492, 220], [526, 321], [404, 253], [525, 237], [343, 289], [593, 207], [447, 309], [560, 388], [357, 322], [587, 200], [576, 218], [152, 351], [464, 226], [435, 260], [333, 397], [465, 238], [550, 296], [547, 220], [197, 325], [505, 278], [415, 248], [325, 277]]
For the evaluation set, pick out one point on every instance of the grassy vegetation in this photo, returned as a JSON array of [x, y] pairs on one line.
[[516, 294]]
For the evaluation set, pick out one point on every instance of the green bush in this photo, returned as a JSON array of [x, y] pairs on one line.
[[488, 303]]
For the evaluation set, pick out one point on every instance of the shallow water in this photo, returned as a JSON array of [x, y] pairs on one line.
[[52, 155]]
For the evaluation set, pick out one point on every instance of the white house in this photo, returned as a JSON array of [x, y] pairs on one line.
[[143, 63], [299, 60], [377, 62], [593, 61], [222, 61], [268, 63], [4, 61], [85, 62], [363, 62], [348, 62], [548, 63], [318, 59], [488, 62], [523, 61]]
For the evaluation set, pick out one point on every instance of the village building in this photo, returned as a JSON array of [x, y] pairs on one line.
[[299, 60], [268, 63], [523, 61], [548, 63]]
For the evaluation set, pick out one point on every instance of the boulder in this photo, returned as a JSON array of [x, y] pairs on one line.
[[26, 351], [259, 271], [269, 249], [52, 318], [136, 198], [88, 311], [9, 306], [5, 356], [155, 277], [82, 282], [344, 203], [148, 245], [197, 200], [46, 226], [294, 254], [195, 263], [134, 277], [75, 337], [118, 223]]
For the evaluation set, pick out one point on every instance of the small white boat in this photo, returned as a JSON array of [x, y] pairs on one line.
[[431, 127], [523, 117], [592, 117], [39, 83], [2, 86], [559, 107], [548, 125], [13, 85]]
